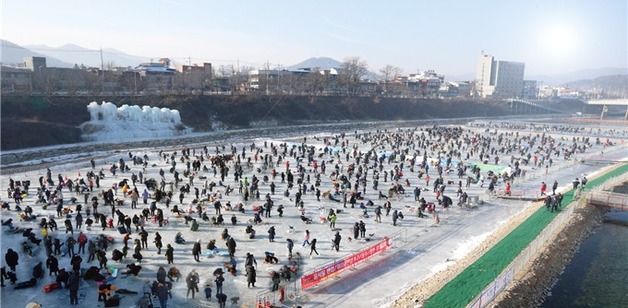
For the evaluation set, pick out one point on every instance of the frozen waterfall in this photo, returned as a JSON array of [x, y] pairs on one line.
[[109, 122]]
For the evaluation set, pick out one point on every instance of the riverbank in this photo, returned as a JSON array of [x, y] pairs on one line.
[[56, 120], [535, 285], [553, 279]]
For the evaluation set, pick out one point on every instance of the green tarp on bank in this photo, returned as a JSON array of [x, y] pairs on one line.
[[460, 291]]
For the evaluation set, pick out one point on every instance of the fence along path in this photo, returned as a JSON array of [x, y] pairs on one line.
[[470, 283]]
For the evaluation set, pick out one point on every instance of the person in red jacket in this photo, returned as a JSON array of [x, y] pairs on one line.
[[543, 188], [82, 240]]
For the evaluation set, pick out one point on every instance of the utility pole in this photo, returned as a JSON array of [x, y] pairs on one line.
[[267, 69], [102, 69]]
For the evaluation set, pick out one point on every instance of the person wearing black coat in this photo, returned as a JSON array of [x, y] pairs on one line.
[[53, 265], [275, 279], [11, 257], [250, 276], [271, 234], [73, 284], [76, 262], [222, 299], [62, 278], [103, 221], [117, 255], [158, 243], [163, 292], [231, 245], [170, 254], [133, 269], [48, 245], [68, 226], [196, 251], [144, 237], [38, 271], [102, 258], [362, 229], [337, 239], [356, 231], [313, 247], [161, 275], [290, 246]]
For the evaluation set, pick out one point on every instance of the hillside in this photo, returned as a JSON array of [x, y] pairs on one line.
[[614, 85], [13, 54]]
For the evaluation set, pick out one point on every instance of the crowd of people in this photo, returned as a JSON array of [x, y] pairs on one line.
[[214, 204]]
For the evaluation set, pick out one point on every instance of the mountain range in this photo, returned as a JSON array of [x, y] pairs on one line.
[[327, 63], [67, 55], [15, 54], [614, 85]]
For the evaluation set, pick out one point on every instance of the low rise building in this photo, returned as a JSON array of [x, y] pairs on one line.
[[16, 80], [156, 77]]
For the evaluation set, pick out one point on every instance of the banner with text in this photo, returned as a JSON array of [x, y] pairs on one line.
[[326, 271]]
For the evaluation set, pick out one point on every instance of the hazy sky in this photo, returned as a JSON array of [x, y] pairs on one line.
[[549, 36]]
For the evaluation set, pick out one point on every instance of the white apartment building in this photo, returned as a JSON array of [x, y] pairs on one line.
[[499, 78]]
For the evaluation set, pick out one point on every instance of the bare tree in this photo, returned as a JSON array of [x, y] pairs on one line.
[[390, 72], [315, 82], [351, 73]]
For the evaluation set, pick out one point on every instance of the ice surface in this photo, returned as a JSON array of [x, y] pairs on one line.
[[459, 231]]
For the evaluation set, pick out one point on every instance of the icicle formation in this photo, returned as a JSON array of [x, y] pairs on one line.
[[109, 112], [110, 123]]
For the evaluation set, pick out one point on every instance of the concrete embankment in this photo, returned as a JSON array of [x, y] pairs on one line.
[[543, 272], [507, 260], [40, 121]]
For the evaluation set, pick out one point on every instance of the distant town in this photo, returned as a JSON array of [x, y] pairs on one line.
[[494, 79]]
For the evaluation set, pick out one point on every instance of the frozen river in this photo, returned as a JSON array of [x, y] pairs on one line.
[[421, 246]]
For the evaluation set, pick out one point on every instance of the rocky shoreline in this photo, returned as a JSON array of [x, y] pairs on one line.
[[534, 287]]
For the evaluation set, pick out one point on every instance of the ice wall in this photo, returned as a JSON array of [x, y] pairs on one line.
[[109, 112], [109, 122]]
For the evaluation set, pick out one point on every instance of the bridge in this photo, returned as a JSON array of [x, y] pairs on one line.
[[516, 101], [608, 199], [614, 102], [610, 102]]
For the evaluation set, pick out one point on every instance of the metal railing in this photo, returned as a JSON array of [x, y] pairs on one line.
[[520, 265]]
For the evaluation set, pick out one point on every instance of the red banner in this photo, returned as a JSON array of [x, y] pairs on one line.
[[319, 275]]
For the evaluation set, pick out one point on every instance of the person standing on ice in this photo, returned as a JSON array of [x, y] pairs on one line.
[[170, 254], [290, 246], [250, 276], [145, 196], [196, 250], [250, 260], [163, 292], [306, 238], [134, 198], [378, 214], [192, 281], [11, 257], [313, 247], [332, 220], [362, 229], [336, 241], [271, 234]]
